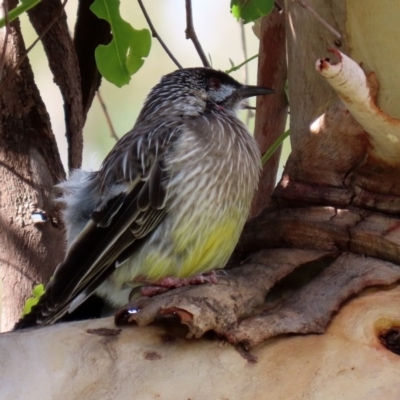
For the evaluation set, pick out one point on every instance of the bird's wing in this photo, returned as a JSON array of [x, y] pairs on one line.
[[124, 217]]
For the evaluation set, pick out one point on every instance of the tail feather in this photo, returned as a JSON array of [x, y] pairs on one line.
[[40, 315]]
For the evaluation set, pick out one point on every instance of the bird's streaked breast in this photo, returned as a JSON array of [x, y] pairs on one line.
[[214, 167]]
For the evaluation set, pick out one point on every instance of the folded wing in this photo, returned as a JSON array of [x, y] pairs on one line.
[[124, 217]]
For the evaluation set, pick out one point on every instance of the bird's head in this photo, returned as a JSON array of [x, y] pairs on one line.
[[190, 92]]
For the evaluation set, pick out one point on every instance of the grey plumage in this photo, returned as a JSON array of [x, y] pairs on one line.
[[170, 199]]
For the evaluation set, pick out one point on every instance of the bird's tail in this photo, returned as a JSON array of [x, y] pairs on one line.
[[41, 315]]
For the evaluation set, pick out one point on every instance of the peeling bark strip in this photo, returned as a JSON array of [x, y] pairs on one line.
[[311, 308], [29, 167], [233, 308], [218, 307], [359, 94]]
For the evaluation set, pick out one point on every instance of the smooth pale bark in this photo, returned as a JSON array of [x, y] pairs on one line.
[[65, 362]]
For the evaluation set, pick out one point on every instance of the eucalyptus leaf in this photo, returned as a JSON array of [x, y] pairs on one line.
[[124, 55], [250, 10]]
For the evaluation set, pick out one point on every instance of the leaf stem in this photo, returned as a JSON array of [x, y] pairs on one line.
[[236, 67], [274, 146]]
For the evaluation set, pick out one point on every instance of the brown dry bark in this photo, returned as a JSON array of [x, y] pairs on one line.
[[219, 307]]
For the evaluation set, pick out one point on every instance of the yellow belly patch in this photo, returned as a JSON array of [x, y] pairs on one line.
[[194, 252]]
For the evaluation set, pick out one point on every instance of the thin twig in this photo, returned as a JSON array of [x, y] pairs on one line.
[[244, 49], [304, 4], [157, 36], [107, 115], [22, 59], [236, 67], [4, 50], [249, 113], [191, 34]]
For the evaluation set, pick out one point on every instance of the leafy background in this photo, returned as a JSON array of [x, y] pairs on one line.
[[218, 31]]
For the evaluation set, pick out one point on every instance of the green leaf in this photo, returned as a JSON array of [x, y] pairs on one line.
[[17, 11], [124, 55], [37, 293], [250, 10]]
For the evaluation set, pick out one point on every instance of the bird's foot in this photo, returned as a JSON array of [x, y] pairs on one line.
[[170, 282]]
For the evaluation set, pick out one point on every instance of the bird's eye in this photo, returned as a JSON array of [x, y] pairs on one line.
[[214, 83]]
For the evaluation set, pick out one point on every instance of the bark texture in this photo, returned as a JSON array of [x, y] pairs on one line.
[[29, 167], [271, 118], [58, 45]]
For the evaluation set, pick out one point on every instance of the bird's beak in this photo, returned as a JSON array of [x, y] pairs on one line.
[[250, 91]]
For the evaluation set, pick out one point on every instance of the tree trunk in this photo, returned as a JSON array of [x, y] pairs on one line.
[[93, 360], [31, 238], [270, 123]]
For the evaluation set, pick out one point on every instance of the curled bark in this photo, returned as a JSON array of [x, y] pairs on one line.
[[311, 308], [218, 307], [359, 93]]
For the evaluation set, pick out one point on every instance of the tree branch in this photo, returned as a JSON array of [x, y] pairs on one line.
[[58, 46], [155, 34], [27, 51], [164, 362], [271, 110], [191, 34], [107, 115]]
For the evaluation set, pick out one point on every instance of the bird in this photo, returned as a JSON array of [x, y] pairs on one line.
[[169, 201]]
